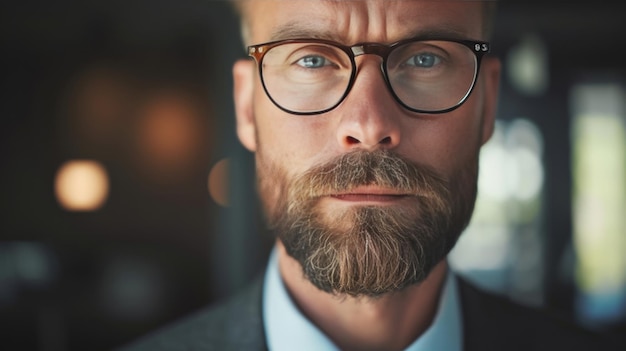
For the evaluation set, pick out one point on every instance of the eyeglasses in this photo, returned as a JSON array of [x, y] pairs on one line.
[[313, 76]]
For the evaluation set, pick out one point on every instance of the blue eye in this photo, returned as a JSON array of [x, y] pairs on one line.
[[424, 60], [313, 62]]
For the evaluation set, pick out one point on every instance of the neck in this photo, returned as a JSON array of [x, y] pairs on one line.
[[390, 322]]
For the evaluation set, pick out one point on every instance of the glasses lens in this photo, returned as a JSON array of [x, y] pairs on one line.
[[431, 75], [306, 77]]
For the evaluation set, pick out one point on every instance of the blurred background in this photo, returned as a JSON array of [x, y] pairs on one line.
[[126, 201]]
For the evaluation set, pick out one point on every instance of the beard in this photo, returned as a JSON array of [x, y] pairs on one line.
[[367, 250]]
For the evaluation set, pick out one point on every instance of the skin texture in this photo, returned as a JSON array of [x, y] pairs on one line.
[[369, 119]]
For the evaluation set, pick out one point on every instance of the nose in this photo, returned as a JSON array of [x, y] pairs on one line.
[[370, 116]]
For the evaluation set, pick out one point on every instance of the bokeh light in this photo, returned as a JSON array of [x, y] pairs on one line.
[[132, 289], [170, 136], [511, 165], [599, 199], [527, 66], [218, 182], [81, 185], [501, 248]]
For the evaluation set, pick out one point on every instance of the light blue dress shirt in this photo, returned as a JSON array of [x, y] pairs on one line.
[[287, 329]]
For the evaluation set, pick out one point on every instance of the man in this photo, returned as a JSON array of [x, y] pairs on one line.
[[366, 119]]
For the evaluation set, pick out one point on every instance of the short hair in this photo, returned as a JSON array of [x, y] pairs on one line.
[[489, 14]]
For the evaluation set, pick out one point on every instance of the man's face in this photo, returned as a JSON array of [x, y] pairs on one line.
[[369, 196]]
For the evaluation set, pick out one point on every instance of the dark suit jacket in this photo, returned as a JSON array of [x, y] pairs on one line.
[[490, 322]]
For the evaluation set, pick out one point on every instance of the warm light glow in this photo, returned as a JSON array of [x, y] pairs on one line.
[[170, 136], [218, 182], [81, 185], [96, 107]]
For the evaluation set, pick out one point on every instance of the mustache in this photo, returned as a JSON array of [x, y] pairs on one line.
[[362, 168]]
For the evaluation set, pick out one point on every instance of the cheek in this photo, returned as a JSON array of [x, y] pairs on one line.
[[294, 142], [465, 135], [448, 142]]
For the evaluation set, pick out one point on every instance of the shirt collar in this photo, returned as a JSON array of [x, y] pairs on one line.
[[286, 328]]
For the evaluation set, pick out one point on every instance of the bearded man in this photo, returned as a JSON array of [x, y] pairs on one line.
[[366, 119]]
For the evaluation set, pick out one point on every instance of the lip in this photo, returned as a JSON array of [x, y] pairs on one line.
[[370, 194]]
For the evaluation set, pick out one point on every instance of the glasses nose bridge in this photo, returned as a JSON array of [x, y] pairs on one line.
[[379, 50]]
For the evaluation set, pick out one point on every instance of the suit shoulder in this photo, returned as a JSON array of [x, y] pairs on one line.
[[493, 322], [232, 324]]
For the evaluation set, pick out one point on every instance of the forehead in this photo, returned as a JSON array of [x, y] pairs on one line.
[[352, 21]]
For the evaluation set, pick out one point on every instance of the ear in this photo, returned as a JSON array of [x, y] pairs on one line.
[[243, 78], [491, 79]]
